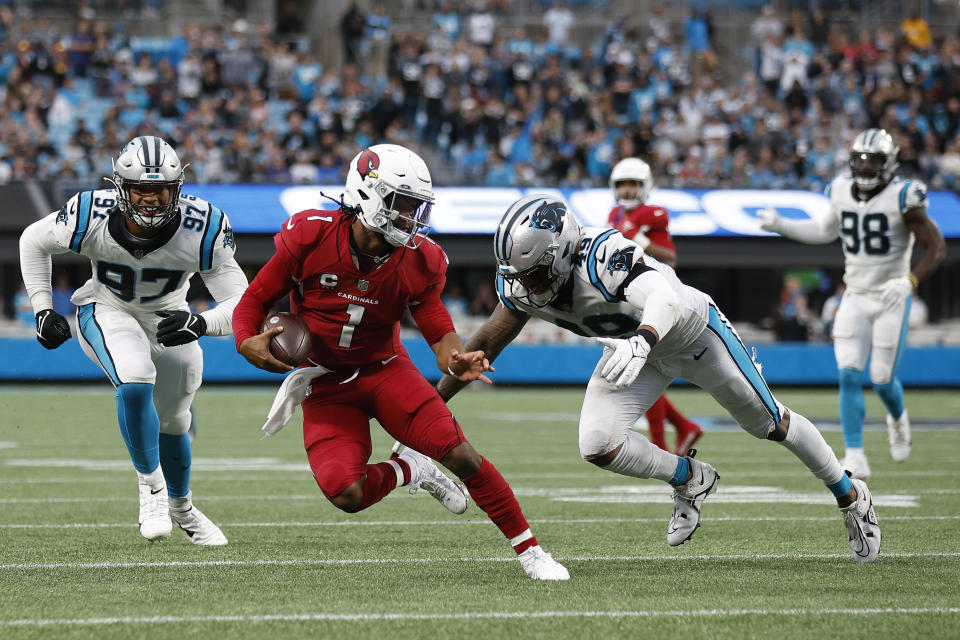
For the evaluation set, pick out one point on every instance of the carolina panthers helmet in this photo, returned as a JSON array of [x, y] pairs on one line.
[[535, 245], [632, 169], [873, 159], [148, 161], [390, 188]]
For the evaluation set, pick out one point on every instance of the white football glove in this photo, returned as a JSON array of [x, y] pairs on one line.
[[770, 219], [628, 357], [641, 239], [896, 291]]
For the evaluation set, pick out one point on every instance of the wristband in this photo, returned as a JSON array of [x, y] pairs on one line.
[[913, 279], [647, 335], [450, 371]]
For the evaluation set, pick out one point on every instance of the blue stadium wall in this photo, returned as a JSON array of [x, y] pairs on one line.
[[24, 360]]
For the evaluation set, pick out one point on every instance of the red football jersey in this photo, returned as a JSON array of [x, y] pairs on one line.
[[354, 316], [649, 219]]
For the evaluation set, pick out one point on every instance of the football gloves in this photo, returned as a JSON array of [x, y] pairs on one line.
[[770, 219], [180, 327], [896, 291], [628, 357], [52, 329]]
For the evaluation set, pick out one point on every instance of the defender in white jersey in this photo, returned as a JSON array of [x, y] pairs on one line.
[[878, 218], [654, 328], [144, 240]]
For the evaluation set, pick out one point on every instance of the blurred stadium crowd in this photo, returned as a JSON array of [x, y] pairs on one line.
[[500, 104]]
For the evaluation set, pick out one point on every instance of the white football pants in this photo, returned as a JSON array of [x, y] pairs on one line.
[[125, 347]]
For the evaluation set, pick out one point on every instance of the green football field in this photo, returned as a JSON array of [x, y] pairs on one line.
[[770, 560]]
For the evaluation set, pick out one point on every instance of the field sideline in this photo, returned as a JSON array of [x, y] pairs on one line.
[[771, 559]]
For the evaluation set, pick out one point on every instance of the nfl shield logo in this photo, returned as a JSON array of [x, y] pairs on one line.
[[363, 285], [138, 253]]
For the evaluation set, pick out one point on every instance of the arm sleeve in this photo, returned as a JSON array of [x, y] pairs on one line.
[[431, 315], [38, 242], [661, 305], [226, 284], [819, 231], [659, 233]]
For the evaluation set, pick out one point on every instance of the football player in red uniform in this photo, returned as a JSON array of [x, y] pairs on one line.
[[632, 181], [351, 275]]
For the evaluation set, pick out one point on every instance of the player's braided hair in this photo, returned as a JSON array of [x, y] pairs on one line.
[[347, 209]]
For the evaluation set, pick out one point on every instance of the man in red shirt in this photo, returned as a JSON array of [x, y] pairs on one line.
[[351, 274], [632, 181]]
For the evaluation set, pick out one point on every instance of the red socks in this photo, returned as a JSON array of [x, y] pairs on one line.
[[491, 493], [381, 480], [655, 417]]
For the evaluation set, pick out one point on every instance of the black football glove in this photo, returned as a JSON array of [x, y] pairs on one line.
[[180, 327], [52, 329]]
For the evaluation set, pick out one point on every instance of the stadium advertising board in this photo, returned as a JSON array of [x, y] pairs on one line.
[[476, 210]]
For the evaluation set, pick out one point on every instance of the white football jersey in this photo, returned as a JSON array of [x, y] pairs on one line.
[[143, 276], [592, 302], [877, 244]]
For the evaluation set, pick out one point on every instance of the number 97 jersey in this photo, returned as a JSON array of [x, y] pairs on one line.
[[877, 244], [136, 275]]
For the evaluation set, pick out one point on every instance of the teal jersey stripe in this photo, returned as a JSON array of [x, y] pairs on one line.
[[502, 294], [592, 265], [903, 195], [84, 207], [94, 336], [212, 232], [739, 353]]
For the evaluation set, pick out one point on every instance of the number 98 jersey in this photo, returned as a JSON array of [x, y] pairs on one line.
[[136, 275], [877, 244]]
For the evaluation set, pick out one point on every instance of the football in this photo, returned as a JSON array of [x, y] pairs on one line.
[[294, 344]]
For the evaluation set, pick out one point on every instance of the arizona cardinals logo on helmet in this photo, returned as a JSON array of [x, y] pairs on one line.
[[549, 216], [368, 163]]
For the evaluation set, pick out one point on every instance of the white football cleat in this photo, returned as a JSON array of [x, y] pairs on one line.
[[898, 430], [855, 461], [197, 526], [863, 530], [687, 499], [154, 520], [425, 475], [540, 565]]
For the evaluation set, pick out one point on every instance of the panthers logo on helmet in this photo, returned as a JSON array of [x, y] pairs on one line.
[[549, 216], [621, 260], [367, 164]]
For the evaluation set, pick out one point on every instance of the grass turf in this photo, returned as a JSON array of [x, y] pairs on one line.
[[771, 558]]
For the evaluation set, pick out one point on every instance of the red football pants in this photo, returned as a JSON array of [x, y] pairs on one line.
[[337, 413]]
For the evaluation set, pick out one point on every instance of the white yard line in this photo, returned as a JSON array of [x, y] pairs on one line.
[[45, 566], [459, 522], [481, 615]]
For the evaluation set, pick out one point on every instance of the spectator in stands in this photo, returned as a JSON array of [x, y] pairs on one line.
[[353, 25], [484, 300], [378, 33], [559, 20], [793, 315], [917, 31]]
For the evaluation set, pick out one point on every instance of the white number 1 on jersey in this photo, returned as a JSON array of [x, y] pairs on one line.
[[355, 314]]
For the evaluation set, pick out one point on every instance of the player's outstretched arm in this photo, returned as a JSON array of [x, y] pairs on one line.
[[455, 360], [817, 231], [37, 243], [929, 238], [226, 284], [497, 332]]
